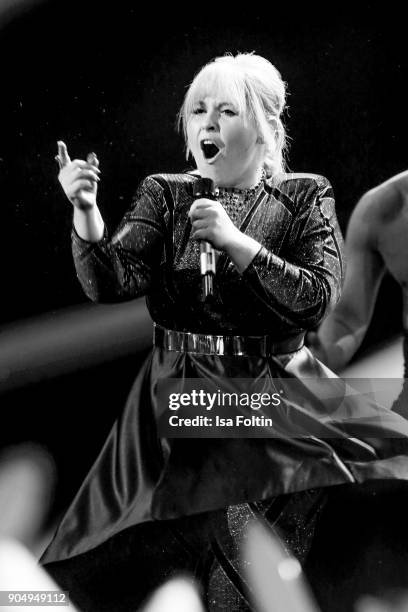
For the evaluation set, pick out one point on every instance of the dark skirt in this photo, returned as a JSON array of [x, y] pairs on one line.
[[140, 477]]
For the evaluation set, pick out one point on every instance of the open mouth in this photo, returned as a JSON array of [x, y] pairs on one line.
[[209, 149]]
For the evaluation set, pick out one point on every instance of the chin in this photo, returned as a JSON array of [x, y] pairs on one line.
[[215, 174], [206, 171]]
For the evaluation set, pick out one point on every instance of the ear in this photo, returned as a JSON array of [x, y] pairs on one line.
[[276, 125]]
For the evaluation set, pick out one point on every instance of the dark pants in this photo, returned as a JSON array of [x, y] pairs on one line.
[[351, 540], [122, 572]]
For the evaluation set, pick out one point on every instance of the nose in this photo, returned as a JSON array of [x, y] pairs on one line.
[[211, 120]]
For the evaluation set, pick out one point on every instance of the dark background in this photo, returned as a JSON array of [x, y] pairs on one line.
[[109, 79]]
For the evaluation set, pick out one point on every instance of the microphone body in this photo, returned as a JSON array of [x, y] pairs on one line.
[[205, 188]]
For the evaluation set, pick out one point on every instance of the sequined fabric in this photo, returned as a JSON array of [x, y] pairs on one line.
[[236, 202], [288, 287], [291, 518]]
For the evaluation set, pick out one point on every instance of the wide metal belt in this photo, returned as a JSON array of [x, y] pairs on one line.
[[209, 344]]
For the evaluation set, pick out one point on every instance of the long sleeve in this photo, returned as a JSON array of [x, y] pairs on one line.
[[123, 267], [305, 281]]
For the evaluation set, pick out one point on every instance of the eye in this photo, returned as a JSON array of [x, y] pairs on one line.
[[198, 110], [229, 112]]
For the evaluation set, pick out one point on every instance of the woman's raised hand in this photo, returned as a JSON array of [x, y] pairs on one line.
[[79, 179]]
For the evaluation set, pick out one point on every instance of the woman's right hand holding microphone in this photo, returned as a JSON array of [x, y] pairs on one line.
[[79, 180]]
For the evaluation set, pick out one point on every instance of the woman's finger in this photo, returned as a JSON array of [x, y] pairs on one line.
[[200, 234], [62, 158], [203, 213], [92, 159], [59, 162], [76, 169], [80, 163], [199, 224], [82, 184], [200, 214], [85, 173], [200, 205]]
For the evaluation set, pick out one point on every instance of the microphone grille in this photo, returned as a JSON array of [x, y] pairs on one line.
[[204, 188]]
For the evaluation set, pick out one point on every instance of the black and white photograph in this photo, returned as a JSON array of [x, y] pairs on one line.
[[204, 312]]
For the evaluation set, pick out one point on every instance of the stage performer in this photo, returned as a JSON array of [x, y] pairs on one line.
[[152, 506]]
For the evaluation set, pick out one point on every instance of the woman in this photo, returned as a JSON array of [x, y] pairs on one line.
[[153, 505]]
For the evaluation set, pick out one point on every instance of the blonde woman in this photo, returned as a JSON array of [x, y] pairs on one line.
[[153, 505]]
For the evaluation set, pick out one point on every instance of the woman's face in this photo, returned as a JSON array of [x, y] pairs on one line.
[[223, 144]]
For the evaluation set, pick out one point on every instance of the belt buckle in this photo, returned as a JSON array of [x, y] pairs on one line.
[[206, 344], [196, 343]]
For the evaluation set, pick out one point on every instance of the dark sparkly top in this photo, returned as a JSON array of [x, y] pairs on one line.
[[287, 288]]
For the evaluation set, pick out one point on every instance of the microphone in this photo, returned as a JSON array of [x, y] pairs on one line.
[[205, 188]]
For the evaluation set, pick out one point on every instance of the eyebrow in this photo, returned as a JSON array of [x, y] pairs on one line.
[[202, 103]]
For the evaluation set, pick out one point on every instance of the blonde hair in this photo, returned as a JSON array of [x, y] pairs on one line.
[[256, 87]]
